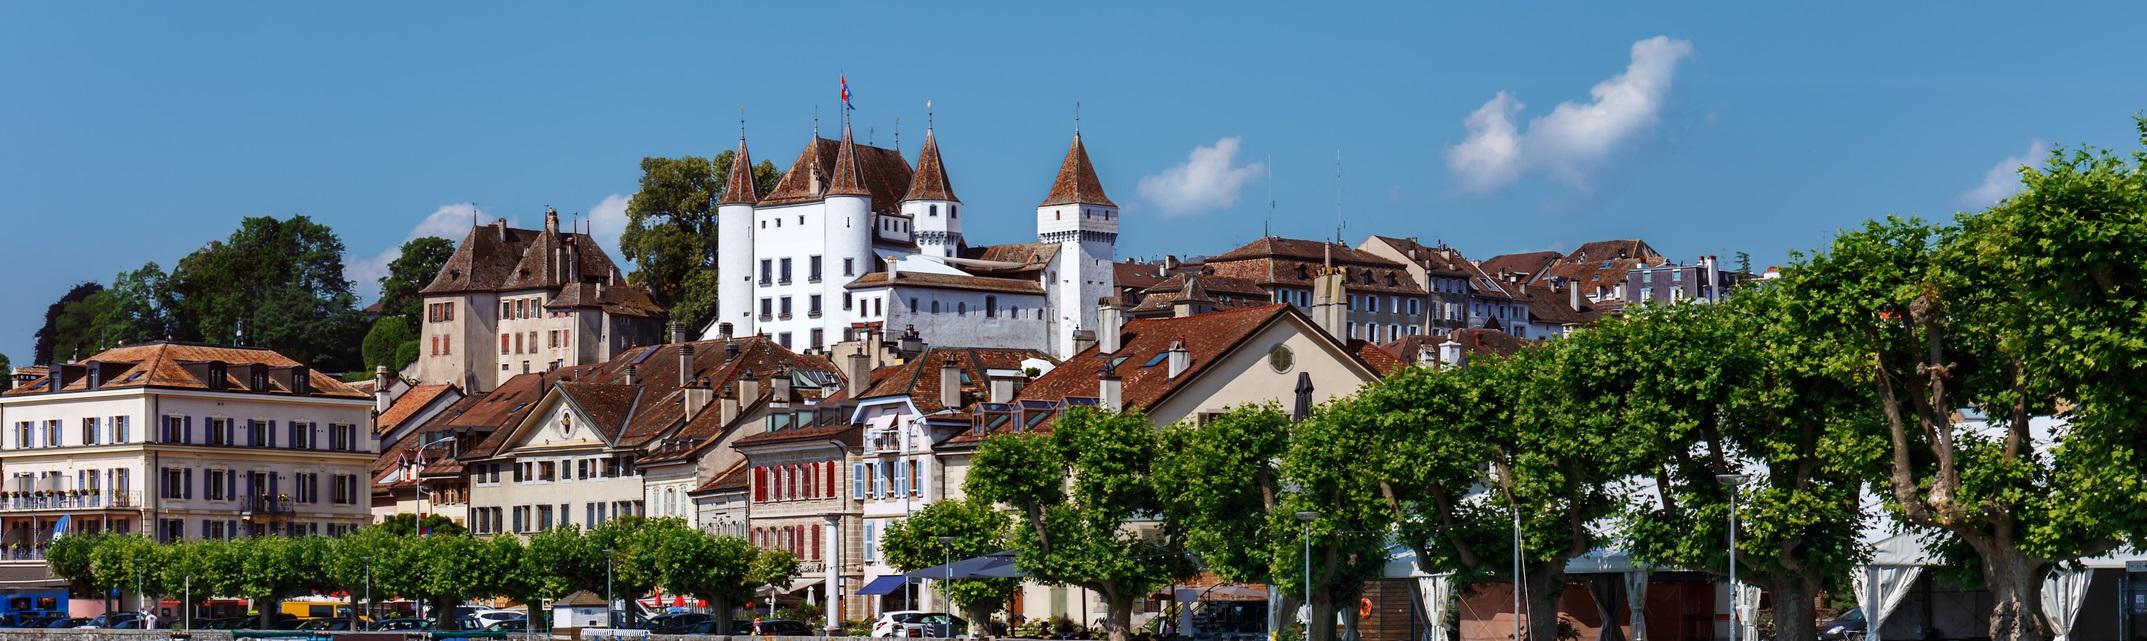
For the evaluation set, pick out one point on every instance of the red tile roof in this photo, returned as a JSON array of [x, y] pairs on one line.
[[849, 177], [408, 405], [735, 478], [1077, 182], [948, 281], [1440, 261], [930, 181], [169, 365], [1380, 360], [919, 377], [1527, 264], [1207, 338], [610, 406], [738, 188], [1273, 262], [883, 173], [1475, 341]]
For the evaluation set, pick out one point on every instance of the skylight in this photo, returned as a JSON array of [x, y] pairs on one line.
[[1158, 360]]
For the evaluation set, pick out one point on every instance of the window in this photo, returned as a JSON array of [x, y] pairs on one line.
[[89, 431], [220, 431], [767, 267], [120, 434], [812, 269], [877, 310], [767, 305], [343, 438], [1371, 303], [177, 429], [935, 306], [52, 433], [544, 518], [782, 306], [849, 267], [991, 306], [846, 301], [782, 271], [961, 308], [504, 344], [812, 305], [819, 338], [506, 309], [916, 475]]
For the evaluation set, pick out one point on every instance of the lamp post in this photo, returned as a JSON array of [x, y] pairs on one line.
[[1736, 595], [1305, 519], [611, 604], [368, 592], [418, 524], [946, 547]]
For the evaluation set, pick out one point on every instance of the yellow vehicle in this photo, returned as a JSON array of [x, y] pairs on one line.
[[316, 608]]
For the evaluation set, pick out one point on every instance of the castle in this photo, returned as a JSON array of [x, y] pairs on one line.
[[853, 241]]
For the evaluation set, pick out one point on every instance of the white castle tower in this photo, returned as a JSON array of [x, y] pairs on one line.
[[1083, 222], [931, 204], [734, 245]]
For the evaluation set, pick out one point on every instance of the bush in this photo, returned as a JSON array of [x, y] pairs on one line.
[[384, 342], [405, 354]]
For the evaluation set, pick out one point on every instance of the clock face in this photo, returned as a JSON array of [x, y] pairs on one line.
[[1281, 359]]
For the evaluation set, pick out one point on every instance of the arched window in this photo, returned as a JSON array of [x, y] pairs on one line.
[[991, 306], [961, 308], [935, 307]]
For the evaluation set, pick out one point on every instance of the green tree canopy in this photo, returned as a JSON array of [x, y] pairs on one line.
[[419, 261], [1082, 487], [384, 342], [975, 529], [281, 281], [670, 231], [69, 325]]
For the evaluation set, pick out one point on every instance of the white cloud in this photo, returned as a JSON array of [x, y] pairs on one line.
[[1575, 138], [1207, 180], [2003, 179], [607, 220], [451, 222]]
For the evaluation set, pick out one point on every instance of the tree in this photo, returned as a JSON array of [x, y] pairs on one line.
[[976, 528], [7, 371], [280, 284], [1737, 389], [1221, 485], [405, 524], [558, 561], [70, 558], [68, 324], [1081, 487], [135, 309], [385, 340], [671, 229], [454, 568], [420, 261], [668, 553], [1327, 474], [273, 567]]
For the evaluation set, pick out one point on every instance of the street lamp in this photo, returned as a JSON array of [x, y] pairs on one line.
[[611, 604], [1736, 595], [946, 547], [368, 592], [1305, 518], [418, 526]]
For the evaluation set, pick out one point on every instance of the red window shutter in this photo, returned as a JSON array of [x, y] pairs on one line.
[[829, 491], [760, 485], [816, 544]]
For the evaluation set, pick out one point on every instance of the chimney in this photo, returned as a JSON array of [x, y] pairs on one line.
[[950, 383], [723, 330], [1330, 302], [1109, 390], [748, 387], [1083, 339], [1110, 327], [1179, 359], [728, 405], [501, 227], [696, 395], [779, 385], [630, 373], [551, 220], [380, 389], [1170, 262], [857, 372], [1573, 297], [1002, 385], [910, 344], [685, 354], [1450, 354], [1427, 355]]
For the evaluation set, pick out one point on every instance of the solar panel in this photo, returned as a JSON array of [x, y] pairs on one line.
[[1158, 360], [644, 356]]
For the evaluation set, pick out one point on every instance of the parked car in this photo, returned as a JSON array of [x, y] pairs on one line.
[[781, 628], [68, 622], [676, 623], [403, 625], [1847, 627], [900, 623], [485, 618], [109, 619]]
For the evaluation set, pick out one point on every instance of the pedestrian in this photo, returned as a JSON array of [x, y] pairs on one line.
[[149, 619]]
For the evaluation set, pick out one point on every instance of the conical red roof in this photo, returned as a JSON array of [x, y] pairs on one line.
[[739, 190], [930, 181], [849, 176], [1077, 182]]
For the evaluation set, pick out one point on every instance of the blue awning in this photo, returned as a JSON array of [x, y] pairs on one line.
[[883, 585]]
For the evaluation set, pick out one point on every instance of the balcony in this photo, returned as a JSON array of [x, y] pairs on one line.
[[18, 501], [267, 505]]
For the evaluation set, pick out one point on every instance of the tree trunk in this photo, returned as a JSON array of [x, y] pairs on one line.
[[1546, 587], [536, 624], [1794, 617], [443, 614], [719, 610], [1118, 609], [979, 612], [270, 607], [2015, 581], [1319, 625]]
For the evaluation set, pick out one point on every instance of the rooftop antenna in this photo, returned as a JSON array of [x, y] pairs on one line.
[[741, 124], [1339, 222], [898, 134], [816, 122], [1267, 226], [1077, 118], [928, 114], [869, 131]]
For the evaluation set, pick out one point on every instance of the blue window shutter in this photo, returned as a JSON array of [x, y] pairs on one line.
[[901, 478], [870, 549], [857, 481], [187, 436]]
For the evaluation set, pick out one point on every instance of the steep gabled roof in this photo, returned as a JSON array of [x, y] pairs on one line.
[[484, 261], [918, 378], [610, 406], [930, 181], [734, 479], [1207, 339], [1527, 264], [1290, 262], [1077, 182], [409, 404], [883, 174]]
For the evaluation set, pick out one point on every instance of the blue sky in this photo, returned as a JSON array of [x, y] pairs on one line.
[[137, 132]]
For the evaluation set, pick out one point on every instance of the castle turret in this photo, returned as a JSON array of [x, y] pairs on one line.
[[931, 204], [734, 246], [1078, 217], [848, 233]]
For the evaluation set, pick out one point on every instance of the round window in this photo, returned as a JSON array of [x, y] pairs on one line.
[[1281, 359]]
